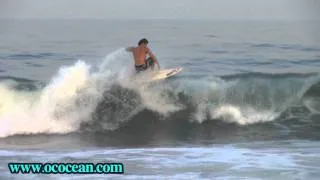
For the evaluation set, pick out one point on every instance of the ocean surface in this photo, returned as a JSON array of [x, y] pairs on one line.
[[246, 106]]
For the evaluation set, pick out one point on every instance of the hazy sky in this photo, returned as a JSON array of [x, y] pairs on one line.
[[173, 9]]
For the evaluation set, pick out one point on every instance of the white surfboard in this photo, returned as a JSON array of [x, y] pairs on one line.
[[165, 73], [150, 76]]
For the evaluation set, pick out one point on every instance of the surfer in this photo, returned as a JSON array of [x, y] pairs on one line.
[[140, 56]]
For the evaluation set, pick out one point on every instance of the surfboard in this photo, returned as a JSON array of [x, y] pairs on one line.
[[150, 76], [165, 73]]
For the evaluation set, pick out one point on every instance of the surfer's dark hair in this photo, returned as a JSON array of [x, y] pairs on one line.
[[143, 41]]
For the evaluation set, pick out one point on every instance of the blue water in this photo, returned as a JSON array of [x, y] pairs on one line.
[[246, 105]]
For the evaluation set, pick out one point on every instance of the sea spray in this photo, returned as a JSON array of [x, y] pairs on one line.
[[60, 107]]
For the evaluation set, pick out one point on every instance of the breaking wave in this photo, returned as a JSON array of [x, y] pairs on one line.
[[103, 97]]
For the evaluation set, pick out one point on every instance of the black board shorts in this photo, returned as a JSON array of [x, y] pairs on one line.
[[149, 63]]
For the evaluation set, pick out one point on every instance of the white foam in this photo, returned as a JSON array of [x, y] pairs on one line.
[[60, 107], [242, 116], [47, 110]]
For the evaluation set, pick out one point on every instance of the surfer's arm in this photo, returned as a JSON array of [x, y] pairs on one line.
[[129, 49], [153, 57]]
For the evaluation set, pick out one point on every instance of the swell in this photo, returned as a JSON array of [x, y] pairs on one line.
[[35, 56]]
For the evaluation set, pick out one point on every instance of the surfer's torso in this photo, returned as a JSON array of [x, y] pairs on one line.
[[140, 55]]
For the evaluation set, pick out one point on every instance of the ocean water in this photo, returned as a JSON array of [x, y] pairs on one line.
[[246, 105]]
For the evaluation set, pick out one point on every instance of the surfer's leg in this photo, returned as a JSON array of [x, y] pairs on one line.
[[150, 63]]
